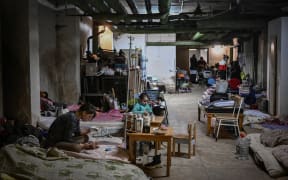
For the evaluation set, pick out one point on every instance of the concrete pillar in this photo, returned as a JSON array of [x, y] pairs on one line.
[[277, 66], [1, 83], [47, 51], [20, 61], [67, 66]]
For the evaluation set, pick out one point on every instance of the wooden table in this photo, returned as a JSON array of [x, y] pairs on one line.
[[167, 137], [209, 113]]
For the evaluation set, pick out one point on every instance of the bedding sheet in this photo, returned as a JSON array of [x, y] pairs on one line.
[[281, 154], [112, 115], [108, 148], [25, 162], [113, 118]]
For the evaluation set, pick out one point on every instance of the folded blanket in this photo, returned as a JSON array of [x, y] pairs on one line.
[[281, 154], [264, 154], [112, 115], [222, 103], [275, 137], [256, 113]]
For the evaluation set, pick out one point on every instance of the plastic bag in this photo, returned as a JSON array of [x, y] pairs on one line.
[[221, 86]]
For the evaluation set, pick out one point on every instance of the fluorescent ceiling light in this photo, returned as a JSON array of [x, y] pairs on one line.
[[197, 35]]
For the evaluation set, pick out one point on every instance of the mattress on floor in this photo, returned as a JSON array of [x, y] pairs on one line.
[[263, 156], [103, 128], [109, 126], [45, 122]]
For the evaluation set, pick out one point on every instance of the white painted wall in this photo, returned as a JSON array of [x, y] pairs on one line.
[[122, 41], [160, 59], [278, 28], [161, 38], [162, 64]]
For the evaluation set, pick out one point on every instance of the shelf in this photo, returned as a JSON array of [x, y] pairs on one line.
[[93, 94]]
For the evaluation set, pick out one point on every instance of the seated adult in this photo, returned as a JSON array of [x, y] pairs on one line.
[[142, 105], [65, 132]]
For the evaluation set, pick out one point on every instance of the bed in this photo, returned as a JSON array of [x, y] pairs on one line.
[[103, 124], [27, 162]]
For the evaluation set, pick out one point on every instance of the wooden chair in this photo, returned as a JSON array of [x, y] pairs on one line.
[[189, 139], [229, 119]]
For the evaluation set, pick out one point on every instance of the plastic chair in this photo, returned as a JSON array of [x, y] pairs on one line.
[[189, 139], [229, 119]]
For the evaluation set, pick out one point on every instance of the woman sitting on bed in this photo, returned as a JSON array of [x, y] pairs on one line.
[[142, 105], [65, 132]]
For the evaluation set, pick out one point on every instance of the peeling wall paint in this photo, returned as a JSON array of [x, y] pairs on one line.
[[67, 64], [47, 51], [59, 55]]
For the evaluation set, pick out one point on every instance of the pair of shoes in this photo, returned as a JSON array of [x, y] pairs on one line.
[[156, 163]]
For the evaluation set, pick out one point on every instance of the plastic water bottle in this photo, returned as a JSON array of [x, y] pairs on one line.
[[116, 106], [146, 124], [242, 148], [139, 124]]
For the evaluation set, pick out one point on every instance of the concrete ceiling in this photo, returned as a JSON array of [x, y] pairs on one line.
[[215, 20]]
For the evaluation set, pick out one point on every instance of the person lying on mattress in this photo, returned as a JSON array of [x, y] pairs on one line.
[[65, 132]]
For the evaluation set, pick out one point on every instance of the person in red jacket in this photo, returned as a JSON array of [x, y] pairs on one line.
[[234, 82]]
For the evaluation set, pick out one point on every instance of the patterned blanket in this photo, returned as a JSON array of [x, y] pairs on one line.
[[25, 162]]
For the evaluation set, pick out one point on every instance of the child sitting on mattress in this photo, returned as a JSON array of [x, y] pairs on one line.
[[65, 132]]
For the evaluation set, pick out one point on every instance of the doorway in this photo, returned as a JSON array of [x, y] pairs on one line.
[[198, 53]]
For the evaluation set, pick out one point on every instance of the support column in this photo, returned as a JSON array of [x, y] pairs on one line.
[[95, 37], [21, 85], [67, 66], [1, 71]]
